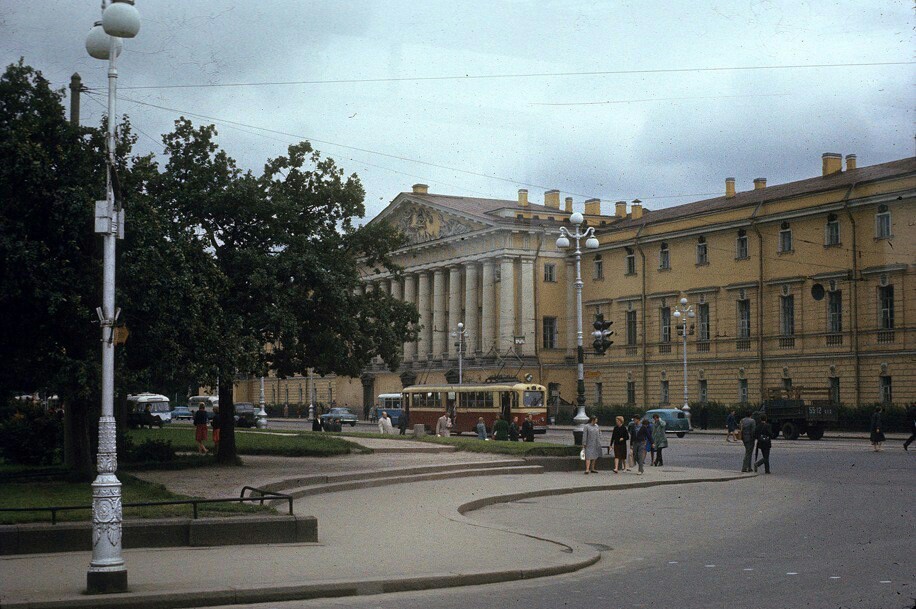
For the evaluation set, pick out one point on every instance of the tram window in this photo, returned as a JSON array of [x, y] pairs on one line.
[[534, 399], [428, 399], [477, 399]]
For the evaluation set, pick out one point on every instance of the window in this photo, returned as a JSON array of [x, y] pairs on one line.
[[663, 393], [665, 323], [742, 391], [599, 267], [886, 307], [882, 223], [550, 273], [551, 333], [835, 312], [887, 393], [631, 328], [703, 321], [785, 238], [664, 257], [741, 245], [744, 318], [834, 390], [832, 231], [787, 315], [599, 391], [631, 392], [630, 262], [703, 391], [702, 256]]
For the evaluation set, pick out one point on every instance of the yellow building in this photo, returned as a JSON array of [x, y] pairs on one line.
[[804, 283]]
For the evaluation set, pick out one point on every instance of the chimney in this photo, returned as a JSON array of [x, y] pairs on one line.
[[420, 189], [729, 188], [522, 197], [850, 162], [760, 183], [636, 209], [832, 163], [552, 199], [569, 204], [593, 207], [620, 209]]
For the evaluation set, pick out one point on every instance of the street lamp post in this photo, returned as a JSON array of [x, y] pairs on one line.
[[262, 414], [591, 242], [685, 311], [107, 571], [460, 334]]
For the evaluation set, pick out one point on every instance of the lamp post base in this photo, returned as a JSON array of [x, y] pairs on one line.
[[106, 582]]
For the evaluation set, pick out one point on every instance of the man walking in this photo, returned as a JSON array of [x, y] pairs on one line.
[[748, 429], [643, 437], [442, 426], [384, 424], [764, 442], [631, 431], [911, 419], [731, 424], [528, 429]]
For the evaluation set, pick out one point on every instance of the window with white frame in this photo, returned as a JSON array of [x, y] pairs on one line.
[[631, 392], [599, 267], [664, 257], [744, 318], [787, 315], [835, 312], [631, 328], [702, 251], [741, 251], [886, 307], [665, 324], [742, 391], [551, 333], [883, 223], [550, 272], [832, 231], [785, 238], [887, 392], [630, 262], [703, 321]]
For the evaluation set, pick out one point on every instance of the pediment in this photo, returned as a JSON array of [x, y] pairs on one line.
[[422, 223]]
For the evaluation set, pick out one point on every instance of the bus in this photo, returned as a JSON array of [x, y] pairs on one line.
[[209, 402], [158, 407], [390, 403], [466, 403]]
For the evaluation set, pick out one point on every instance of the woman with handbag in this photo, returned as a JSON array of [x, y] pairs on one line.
[[591, 445], [619, 439]]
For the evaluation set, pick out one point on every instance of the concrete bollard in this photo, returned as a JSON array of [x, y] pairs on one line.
[[419, 430]]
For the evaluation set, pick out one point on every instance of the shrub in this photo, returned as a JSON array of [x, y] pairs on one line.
[[30, 436], [159, 451]]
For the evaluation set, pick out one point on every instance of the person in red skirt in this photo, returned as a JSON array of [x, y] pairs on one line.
[[215, 423], [200, 429]]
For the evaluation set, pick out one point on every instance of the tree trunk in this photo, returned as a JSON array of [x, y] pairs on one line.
[[226, 455], [78, 427]]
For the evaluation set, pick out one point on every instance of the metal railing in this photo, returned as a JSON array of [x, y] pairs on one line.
[[264, 495]]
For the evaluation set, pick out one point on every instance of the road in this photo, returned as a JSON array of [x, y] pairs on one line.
[[833, 527]]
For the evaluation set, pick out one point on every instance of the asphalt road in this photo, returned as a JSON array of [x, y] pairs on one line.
[[833, 527]]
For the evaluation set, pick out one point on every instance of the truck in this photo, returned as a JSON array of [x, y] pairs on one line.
[[798, 410]]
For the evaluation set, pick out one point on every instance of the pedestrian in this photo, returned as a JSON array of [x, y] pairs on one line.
[[528, 429], [659, 439], [650, 444], [200, 429], [619, 439], [481, 429], [402, 423], [911, 419], [501, 430], [316, 423], [877, 431], [731, 423], [513, 430], [764, 442], [215, 424], [591, 444], [643, 436], [748, 436], [631, 430], [384, 424], [443, 425]]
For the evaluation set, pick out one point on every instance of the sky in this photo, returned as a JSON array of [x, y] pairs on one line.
[[618, 100]]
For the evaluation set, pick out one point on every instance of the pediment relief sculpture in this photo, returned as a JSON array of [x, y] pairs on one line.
[[421, 223]]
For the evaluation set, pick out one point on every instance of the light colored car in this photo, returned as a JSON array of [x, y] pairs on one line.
[[676, 420], [344, 415]]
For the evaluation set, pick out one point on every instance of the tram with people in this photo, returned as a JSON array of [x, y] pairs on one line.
[[466, 403]]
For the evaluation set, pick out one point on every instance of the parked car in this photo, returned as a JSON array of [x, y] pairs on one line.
[[182, 413], [675, 419], [244, 414], [344, 415]]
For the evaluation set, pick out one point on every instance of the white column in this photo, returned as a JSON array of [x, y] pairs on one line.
[[471, 319], [506, 304], [529, 327], [439, 331], [409, 294], [454, 309], [571, 307], [424, 344], [488, 307]]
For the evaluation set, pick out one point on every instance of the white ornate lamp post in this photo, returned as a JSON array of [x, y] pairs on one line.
[[685, 311], [591, 242], [460, 334], [261, 414], [107, 571]]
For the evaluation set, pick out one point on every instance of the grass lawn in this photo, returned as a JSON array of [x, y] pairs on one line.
[[41, 493], [257, 442]]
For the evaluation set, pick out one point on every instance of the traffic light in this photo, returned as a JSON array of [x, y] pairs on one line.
[[602, 334]]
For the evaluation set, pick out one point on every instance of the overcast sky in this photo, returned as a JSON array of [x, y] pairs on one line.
[[658, 129]]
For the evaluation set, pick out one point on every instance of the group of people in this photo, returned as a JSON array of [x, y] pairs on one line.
[[503, 430], [385, 425], [630, 443], [201, 418]]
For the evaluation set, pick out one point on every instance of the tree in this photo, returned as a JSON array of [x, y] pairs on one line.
[[287, 247]]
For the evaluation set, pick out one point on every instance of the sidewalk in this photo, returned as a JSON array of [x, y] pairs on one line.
[[372, 540]]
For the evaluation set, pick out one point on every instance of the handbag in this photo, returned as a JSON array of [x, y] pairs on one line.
[[582, 455]]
